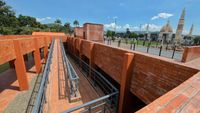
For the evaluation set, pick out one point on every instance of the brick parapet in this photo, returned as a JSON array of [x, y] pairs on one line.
[[191, 53]]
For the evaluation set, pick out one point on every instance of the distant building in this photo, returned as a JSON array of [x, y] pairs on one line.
[[179, 29], [90, 31], [166, 33], [78, 32]]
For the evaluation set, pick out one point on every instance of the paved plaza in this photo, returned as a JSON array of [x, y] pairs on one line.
[[154, 51]]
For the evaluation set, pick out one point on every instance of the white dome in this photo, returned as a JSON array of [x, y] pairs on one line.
[[167, 28]]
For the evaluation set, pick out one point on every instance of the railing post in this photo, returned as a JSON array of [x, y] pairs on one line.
[[160, 51], [148, 46], [125, 80], [174, 49], [91, 64], [89, 109], [167, 46], [131, 46]]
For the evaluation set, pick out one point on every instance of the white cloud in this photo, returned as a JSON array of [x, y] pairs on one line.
[[112, 26], [136, 28], [162, 15], [152, 27], [43, 19], [127, 26]]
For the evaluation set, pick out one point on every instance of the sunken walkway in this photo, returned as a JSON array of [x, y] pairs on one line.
[[57, 100]]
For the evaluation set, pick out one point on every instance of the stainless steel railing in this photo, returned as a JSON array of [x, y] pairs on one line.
[[108, 100], [70, 74], [41, 97]]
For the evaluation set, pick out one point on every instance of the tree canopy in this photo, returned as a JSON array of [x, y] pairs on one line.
[[76, 23], [22, 24]]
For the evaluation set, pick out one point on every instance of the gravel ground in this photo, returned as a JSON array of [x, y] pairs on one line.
[[19, 104]]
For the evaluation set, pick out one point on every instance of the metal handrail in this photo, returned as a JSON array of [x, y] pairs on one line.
[[110, 98], [71, 74], [41, 97], [90, 103]]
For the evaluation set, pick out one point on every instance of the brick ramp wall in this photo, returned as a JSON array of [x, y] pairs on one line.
[[152, 77], [183, 99], [191, 53]]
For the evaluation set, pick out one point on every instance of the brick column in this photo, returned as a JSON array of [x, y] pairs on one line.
[[185, 55], [125, 80], [91, 63], [37, 58], [20, 67], [45, 49]]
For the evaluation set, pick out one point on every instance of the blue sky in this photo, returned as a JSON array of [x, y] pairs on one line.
[[129, 13]]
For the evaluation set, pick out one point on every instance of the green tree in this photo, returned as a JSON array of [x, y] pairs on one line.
[[197, 40], [68, 27], [128, 33], [76, 23], [133, 35], [27, 21], [141, 35], [58, 21]]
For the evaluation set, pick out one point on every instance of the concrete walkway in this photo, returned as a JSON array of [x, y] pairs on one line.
[[154, 51]]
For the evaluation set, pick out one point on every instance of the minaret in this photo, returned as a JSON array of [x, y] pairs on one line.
[[191, 30], [147, 31], [179, 29]]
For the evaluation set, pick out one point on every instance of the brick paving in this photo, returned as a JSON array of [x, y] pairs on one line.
[[56, 95], [9, 87]]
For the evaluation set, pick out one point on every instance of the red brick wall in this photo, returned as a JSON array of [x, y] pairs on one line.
[[26, 42], [27, 45], [7, 51], [154, 76], [109, 60], [191, 53], [93, 32], [183, 98], [49, 33], [85, 48], [78, 31], [41, 42]]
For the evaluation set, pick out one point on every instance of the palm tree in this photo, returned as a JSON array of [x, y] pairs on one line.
[[58, 21], [68, 27], [76, 23]]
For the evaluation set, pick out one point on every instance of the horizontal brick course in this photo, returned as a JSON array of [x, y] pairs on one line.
[[191, 53], [153, 76], [7, 51]]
